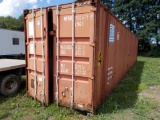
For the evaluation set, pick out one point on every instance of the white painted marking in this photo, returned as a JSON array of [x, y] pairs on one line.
[[38, 22], [62, 65], [40, 79], [80, 50], [79, 19], [31, 49], [31, 28], [80, 105]]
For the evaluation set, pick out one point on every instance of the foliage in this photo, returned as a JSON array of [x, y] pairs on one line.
[[12, 23], [109, 3], [155, 52], [144, 46]]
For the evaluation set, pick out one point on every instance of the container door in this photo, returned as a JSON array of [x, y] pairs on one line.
[[36, 55], [74, 49]]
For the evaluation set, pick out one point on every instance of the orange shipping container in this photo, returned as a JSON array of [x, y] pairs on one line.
[[76, 54]]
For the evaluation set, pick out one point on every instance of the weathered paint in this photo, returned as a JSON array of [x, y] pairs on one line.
[[90, 54], [35, 80]]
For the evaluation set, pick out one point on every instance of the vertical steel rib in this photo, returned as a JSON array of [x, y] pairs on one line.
[[57, 73], [73, 46], [42, 40], [34, 43]]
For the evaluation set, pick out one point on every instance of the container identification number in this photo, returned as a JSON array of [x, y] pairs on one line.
[[79, 19]]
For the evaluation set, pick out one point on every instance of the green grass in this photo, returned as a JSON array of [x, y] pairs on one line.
[[124, 103]]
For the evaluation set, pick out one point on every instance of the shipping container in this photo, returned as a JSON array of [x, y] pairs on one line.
[[12, 42], [76, 54]]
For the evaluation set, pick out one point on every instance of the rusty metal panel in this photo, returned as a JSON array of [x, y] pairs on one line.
[[118, 48], [120, 57], [91, 52], [36, 40]]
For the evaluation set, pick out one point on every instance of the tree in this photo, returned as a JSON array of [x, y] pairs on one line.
[[149, 22], [2, 22], [109, 3], [140, 16], [21, 23], [128, 12], [12, 23]]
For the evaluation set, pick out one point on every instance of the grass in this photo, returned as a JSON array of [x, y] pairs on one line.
[[124, 103]]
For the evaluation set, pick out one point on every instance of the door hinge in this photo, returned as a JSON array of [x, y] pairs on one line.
[[91, 77], [93, 8], [92, 44]]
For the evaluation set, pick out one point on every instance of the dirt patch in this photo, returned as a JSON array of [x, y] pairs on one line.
[[50, 118], [7, 118], [155, 114], [128, 115], [27, 118], [152, 93]]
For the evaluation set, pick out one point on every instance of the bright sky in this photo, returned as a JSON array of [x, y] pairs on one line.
[[15, 8]]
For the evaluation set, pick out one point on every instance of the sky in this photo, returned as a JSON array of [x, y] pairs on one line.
[[15, 8]]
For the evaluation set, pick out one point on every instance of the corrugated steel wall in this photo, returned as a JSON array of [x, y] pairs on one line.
[[118, 54], [6, 43], [90, 54]]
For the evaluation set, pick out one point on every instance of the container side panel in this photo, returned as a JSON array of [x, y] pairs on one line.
[[121, 57], [118, 47]]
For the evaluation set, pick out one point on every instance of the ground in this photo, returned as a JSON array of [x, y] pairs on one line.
[[153, 94], [136, 97]]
